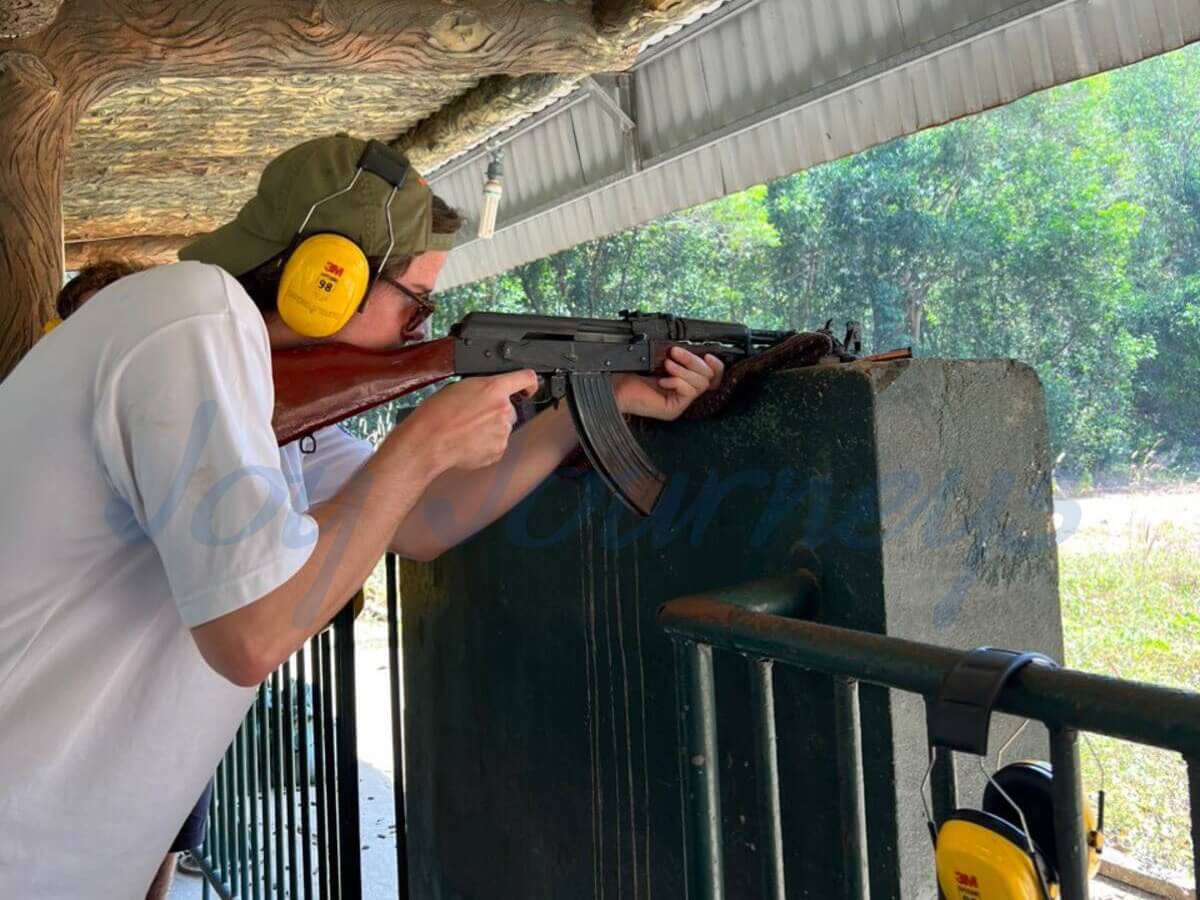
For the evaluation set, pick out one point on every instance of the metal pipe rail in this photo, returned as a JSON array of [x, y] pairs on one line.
[[1065, 700]]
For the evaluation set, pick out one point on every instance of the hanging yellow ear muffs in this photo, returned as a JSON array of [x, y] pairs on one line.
[[1008, 850], [324, 281], [983, 856], [986, 851]]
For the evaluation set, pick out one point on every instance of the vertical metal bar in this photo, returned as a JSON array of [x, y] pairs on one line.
[[349, 836], [762, 690], [277, 727], [253, 788], [943, 786], [332, 810], [705, 876], [305, 819], [943, 790], [395, 687], [943, 782], [243, 843], [1193, 766], [289, 772], [216, 834], [319, 771], [264, 768], [1069, 830], [213, 837], [229, 878], [848, 748]]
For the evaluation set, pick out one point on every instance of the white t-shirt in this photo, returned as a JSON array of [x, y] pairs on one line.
[[143, 494]]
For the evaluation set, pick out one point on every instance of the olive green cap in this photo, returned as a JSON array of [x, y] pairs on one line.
[[296, 179]]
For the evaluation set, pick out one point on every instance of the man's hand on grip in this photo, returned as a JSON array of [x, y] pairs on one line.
[[468, 423]]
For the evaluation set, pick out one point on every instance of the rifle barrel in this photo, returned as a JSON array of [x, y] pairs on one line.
[[765, 336]]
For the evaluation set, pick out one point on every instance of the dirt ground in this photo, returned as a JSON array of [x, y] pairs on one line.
[[1112, 521]]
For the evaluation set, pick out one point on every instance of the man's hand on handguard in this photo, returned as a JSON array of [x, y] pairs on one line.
[[667, 397]]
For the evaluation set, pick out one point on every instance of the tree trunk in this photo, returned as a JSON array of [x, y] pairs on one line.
[[36, 119], [530, 276], [633, 240]]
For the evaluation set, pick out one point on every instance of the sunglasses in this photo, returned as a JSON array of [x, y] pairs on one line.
[[425, 306]]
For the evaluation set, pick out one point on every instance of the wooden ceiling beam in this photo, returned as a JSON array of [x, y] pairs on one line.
[[21, 18], [500, 100], [157, 249], [638, 20], [479, 113], [115, 42]]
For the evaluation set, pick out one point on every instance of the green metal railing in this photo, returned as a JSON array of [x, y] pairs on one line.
[[284, 817], [756, 621]]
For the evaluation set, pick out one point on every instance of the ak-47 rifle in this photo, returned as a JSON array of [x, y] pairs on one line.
[[574, 359]]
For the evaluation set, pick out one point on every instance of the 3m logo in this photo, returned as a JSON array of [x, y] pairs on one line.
[[966, 881], [334, 269]]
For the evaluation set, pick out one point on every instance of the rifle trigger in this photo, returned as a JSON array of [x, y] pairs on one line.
[[606, 439], [551, 389]]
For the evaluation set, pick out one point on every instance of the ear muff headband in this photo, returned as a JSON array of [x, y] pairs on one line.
[[325, 280]]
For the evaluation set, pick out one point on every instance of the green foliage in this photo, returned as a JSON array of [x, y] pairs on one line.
[[1131, 609], [1062, 230]]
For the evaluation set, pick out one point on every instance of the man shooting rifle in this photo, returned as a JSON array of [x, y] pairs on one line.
[[163, 554]]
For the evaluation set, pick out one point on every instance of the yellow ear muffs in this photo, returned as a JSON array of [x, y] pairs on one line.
[[983, 857], [323, 283], [1030, 784]]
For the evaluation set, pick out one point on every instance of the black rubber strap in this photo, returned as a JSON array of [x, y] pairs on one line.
[[960, 715], [380, 159]]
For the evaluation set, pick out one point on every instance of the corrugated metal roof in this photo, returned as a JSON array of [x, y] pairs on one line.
[[765, 88]]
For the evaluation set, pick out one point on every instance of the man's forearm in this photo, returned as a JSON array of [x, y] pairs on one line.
[[356, 525], [459, 503]]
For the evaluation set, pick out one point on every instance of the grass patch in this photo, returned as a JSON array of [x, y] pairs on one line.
[[1135, 614]]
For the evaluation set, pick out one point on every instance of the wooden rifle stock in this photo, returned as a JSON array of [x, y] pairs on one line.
[[328, 383]]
